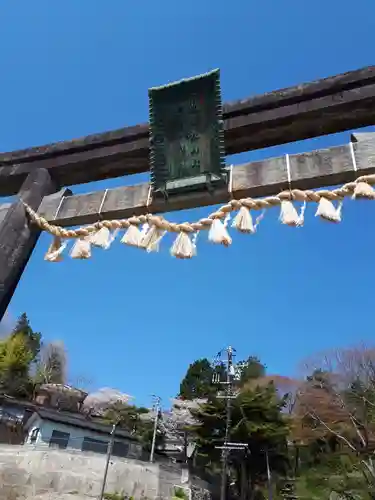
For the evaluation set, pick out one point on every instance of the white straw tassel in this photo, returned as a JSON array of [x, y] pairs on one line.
[[183, 247], [227, 219], [289, 214], [132, 237], [145, 228], [219, 234], [81, 249], [101, 238], [364, 190], [194, 243], [55, 250], [327, 211], [151, 240], [243, 221]]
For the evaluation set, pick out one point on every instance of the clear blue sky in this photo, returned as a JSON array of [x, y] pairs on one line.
[[135, 321]]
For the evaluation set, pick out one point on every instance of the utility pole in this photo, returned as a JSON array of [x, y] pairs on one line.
[[269, 480], [109, 453], [228, 396], [156, 405]]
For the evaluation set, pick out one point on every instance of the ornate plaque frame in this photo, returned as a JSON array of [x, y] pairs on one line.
[[186, 135]]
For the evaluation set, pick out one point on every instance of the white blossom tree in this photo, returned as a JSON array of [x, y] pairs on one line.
[[98, 402]]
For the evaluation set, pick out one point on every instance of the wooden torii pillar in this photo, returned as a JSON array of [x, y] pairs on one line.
[[17, 237]]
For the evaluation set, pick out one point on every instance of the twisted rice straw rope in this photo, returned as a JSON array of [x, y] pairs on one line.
[[202, 224]]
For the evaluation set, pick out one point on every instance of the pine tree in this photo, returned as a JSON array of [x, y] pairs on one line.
[[137, 420], [15, 359], [256, 420], [33, 339], [250, 369], [197, 383]]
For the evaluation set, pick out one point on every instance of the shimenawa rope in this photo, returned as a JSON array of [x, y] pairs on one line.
[[155, 226]]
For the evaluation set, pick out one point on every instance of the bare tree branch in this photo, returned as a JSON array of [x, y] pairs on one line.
[[329, 429]]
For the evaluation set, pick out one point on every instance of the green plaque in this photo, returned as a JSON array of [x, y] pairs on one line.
[[186, 135]]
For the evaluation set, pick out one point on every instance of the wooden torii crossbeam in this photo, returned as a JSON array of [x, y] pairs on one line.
[[334, 104], [320, 168]]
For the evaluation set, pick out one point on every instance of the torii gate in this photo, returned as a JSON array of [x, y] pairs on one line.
[[38, 175]]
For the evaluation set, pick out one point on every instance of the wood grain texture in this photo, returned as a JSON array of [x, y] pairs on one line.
[[334, 104], [17, 236], [3, 210], [321, 168]]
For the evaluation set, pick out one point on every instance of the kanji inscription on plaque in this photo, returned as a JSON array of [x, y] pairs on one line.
[[186, 134]]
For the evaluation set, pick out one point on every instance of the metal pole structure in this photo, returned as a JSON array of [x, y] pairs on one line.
[[229, 395], [157, 400], [224, 455], [227, 445], [109, 453]]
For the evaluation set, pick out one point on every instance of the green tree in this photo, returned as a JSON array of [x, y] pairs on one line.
[[257, 420], [334, 424], [33, 339], [198, 382], [250, 369], [26, 362], [125, 415], [138, 420], [15, 359]]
